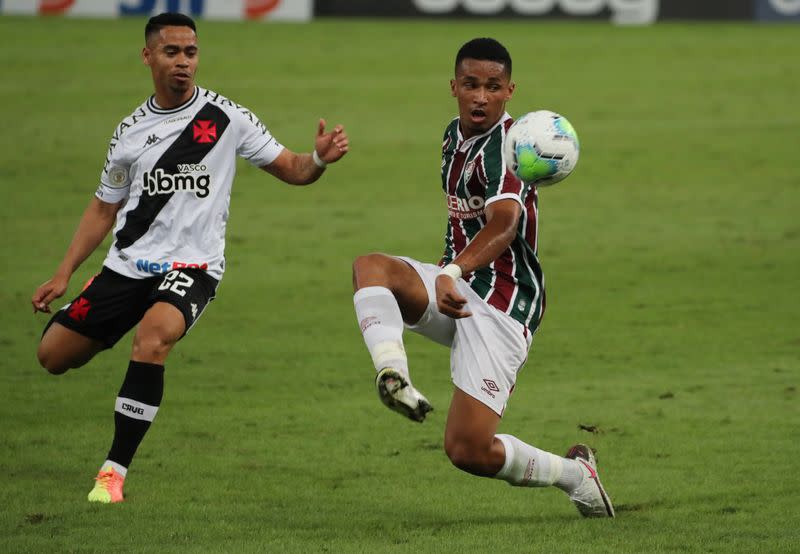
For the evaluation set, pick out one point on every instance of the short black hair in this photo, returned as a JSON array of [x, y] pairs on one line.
[[168, 19], [484, 49]]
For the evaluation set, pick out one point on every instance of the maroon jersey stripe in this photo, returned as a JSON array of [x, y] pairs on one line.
[[511, 182], [503, 289], [456, 168], [531, 223]]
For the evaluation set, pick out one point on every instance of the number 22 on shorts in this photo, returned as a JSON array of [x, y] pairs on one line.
[[177, 282]]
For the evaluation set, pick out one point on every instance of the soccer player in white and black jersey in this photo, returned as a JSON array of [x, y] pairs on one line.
[[165, 190], [484, 299]]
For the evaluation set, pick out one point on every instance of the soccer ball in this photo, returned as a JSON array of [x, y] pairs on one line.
[[541, 148]]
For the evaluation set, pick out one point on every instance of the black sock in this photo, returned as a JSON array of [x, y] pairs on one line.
[[136, 407]]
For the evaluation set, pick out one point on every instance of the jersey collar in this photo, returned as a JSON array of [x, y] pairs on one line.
[[153, 107], [463, 143]]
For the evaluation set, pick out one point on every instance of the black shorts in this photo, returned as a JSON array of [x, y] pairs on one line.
[[112, 304]]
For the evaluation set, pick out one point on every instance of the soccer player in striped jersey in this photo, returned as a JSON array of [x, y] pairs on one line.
[[165, 190], [484, 299]]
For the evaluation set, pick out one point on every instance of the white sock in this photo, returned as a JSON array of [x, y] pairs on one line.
[[381, 325], [527, 466], [122, 470]]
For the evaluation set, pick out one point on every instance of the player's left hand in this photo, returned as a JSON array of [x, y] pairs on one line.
[[449, 301], [49, 291], [331, 146]]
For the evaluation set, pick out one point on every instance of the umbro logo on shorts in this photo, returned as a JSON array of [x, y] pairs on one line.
[[490, 388]]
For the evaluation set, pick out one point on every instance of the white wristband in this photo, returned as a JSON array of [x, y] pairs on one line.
[[451, 270], [319, 161]]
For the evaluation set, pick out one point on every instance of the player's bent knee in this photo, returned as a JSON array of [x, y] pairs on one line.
[[365, 264], [464, 455], [151, 347], [371, 269], [62, 349], [51, 362], [153, 343]]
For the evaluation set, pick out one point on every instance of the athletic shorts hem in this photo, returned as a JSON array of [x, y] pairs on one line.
[[61, 318], [497, 406]]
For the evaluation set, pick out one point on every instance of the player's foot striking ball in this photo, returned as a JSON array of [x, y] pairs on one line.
[[165, 191], [485, 297]]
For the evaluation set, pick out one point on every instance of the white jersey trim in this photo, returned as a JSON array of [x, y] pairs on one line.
[[503, 196]]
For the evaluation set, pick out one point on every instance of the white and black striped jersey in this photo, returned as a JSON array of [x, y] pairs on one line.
[[174, 169]]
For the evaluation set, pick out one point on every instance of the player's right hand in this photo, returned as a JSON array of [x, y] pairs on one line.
[[47, 292], [331, 146], [449, 301]]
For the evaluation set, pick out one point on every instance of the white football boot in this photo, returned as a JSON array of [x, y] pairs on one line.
[[589, 497], [399, 395]]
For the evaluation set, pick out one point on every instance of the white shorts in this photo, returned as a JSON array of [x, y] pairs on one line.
[[486, 350]]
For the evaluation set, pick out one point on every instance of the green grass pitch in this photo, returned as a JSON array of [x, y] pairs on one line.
[[672, 266]]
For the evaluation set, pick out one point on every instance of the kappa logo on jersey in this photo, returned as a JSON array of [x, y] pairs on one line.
[[205, 131], [160, 182], [461, 208], [151, 140], [79, 309]]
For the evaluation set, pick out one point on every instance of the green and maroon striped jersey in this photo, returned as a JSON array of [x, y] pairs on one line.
[[474, 175]]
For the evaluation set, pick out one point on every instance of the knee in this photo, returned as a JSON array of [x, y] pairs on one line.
[[50, 361], [465, 455], [373, 269], [367, 263], [150, 346]]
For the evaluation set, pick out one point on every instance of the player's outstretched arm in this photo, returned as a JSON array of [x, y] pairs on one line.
[[502, 218], [97, 221], [303, 169]]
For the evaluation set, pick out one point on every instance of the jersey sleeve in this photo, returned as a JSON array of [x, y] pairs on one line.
[[256, 143], [115, 179], [501, 183]]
